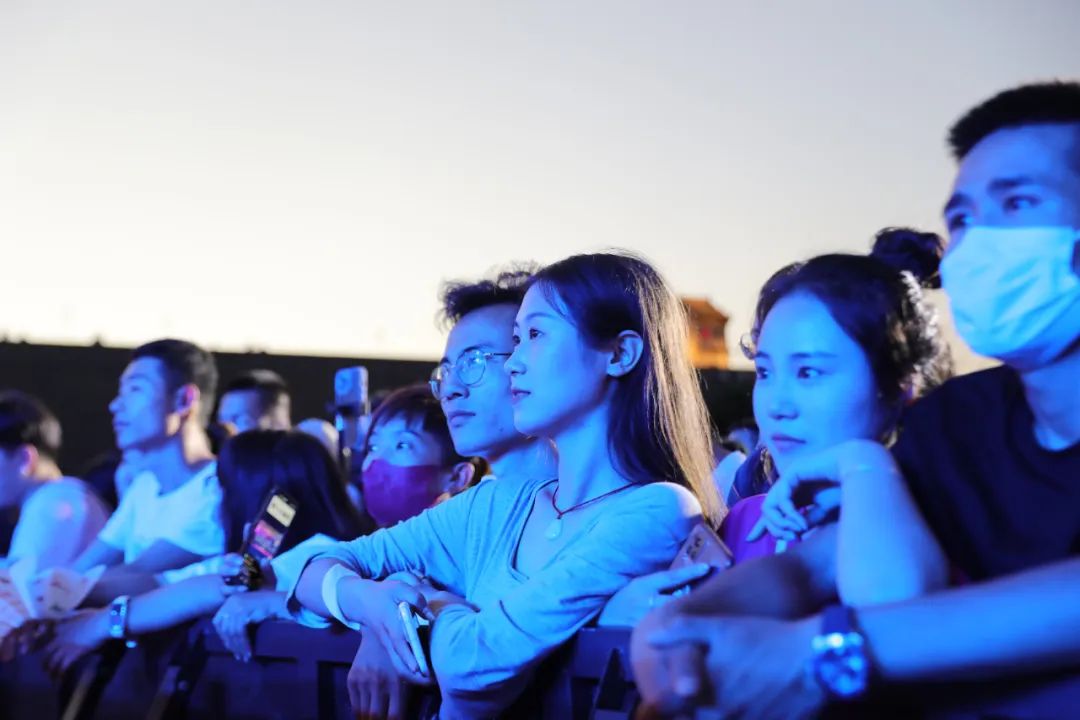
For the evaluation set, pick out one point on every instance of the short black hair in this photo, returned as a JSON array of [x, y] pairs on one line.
[[185, 364], [270, 388], [505, 287], [1046, 103], [416, 405], [25, 420]]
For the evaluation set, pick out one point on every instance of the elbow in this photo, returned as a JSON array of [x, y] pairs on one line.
[[451, 669]]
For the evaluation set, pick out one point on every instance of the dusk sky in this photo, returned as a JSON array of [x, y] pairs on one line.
[[300, 177]]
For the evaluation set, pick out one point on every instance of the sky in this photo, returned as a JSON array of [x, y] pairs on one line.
[[301, 177]]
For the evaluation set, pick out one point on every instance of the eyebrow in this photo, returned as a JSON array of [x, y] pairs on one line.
[[813, 355], [799, 355], [996, 187], [536, 314], [135, 376]]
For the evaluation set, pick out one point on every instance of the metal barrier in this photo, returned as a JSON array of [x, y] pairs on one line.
[[295, 673]]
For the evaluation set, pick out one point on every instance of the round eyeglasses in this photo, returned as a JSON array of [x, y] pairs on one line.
[[469, 369]]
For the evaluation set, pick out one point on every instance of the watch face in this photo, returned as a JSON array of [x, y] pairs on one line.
[[841, 666]]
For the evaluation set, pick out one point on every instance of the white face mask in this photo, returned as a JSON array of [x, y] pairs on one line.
[[1014, 293]]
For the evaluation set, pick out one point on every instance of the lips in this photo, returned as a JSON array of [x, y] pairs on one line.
[[517, 394], [785, 443], [458, 418]]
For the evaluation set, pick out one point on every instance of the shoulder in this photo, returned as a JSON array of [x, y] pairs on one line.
[[983, 388], [664, 500], [70, 490]]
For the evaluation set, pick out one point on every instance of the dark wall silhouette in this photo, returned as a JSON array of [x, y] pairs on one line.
[[78, 383]]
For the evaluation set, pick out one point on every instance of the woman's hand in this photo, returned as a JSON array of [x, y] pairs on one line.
[[642, 594], [74, 637], [240, 611], [813, 480], [374, 605]]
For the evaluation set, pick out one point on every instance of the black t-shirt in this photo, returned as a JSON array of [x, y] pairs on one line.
[[995, 499]]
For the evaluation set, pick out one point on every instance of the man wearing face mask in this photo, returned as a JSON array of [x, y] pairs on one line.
[[992, 459]]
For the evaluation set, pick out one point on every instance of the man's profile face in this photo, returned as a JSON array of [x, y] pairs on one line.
[[243, 410], [480, 416], [143, 412]]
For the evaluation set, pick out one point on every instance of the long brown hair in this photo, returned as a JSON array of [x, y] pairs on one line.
[[659, 428]]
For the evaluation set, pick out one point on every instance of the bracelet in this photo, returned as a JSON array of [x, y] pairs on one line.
[[330, 583]]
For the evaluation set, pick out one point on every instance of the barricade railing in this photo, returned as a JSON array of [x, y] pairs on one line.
[[300, 673]]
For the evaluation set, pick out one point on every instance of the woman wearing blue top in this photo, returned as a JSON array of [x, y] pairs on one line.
[[600, 369]]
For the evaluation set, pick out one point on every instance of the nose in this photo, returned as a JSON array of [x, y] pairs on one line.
[[779, 402], [451, 388], [114, 405], [513, 365]]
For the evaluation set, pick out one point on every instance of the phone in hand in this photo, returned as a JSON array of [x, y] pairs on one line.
[[702, 545], [411, 622], [264, 538]]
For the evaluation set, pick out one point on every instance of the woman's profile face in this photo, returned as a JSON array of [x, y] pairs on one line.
[[815, 387], [556, 379]]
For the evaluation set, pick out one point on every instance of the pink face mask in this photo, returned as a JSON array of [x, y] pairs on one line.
[[393, 493]]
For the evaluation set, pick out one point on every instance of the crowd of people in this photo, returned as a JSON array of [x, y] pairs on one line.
[[893, 531]]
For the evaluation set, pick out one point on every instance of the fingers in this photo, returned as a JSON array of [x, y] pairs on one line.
[[400, 652], [418, 602], [673, 579], [758, 531], [682, 629], [779, 514], [231, 564], [686, 674], [233, 630], [397, 696]]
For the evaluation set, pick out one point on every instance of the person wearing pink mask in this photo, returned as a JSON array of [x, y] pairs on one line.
[[410, 463]]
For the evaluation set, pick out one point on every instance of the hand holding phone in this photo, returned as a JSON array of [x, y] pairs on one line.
[[264, 538], [702, 545], [411, 623]]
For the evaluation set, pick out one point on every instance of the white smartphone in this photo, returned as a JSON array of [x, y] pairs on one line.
[[410, 621]]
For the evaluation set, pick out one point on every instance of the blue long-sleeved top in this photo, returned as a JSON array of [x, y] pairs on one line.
[[483, 659]]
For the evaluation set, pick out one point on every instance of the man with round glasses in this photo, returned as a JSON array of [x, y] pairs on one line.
[[470, 381], [469, 369], [474, 392]]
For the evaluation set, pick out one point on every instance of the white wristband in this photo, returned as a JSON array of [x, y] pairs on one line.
[[330, 583]]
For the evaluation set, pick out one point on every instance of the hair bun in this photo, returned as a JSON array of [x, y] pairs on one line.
[[917, 252]]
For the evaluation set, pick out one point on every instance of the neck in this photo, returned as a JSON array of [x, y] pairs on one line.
[[1053, 394], [44, 471], [586, 468], [529, 458], [178, 457], [47, 470]]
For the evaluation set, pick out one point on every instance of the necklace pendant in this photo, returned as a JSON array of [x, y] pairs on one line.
[[554, 529]]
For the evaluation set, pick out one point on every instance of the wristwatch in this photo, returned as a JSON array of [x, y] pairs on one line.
[[118, 614], [840, 663]]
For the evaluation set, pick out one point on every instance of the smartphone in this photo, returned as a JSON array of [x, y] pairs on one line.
[[411, 623], [703, 545], [264, 538]]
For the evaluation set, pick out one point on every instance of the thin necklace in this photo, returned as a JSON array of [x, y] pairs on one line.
[[554, 529]]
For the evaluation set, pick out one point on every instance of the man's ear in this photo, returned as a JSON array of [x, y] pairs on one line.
[[28, 459], [187, 397], [625, 354], [460, 478]]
